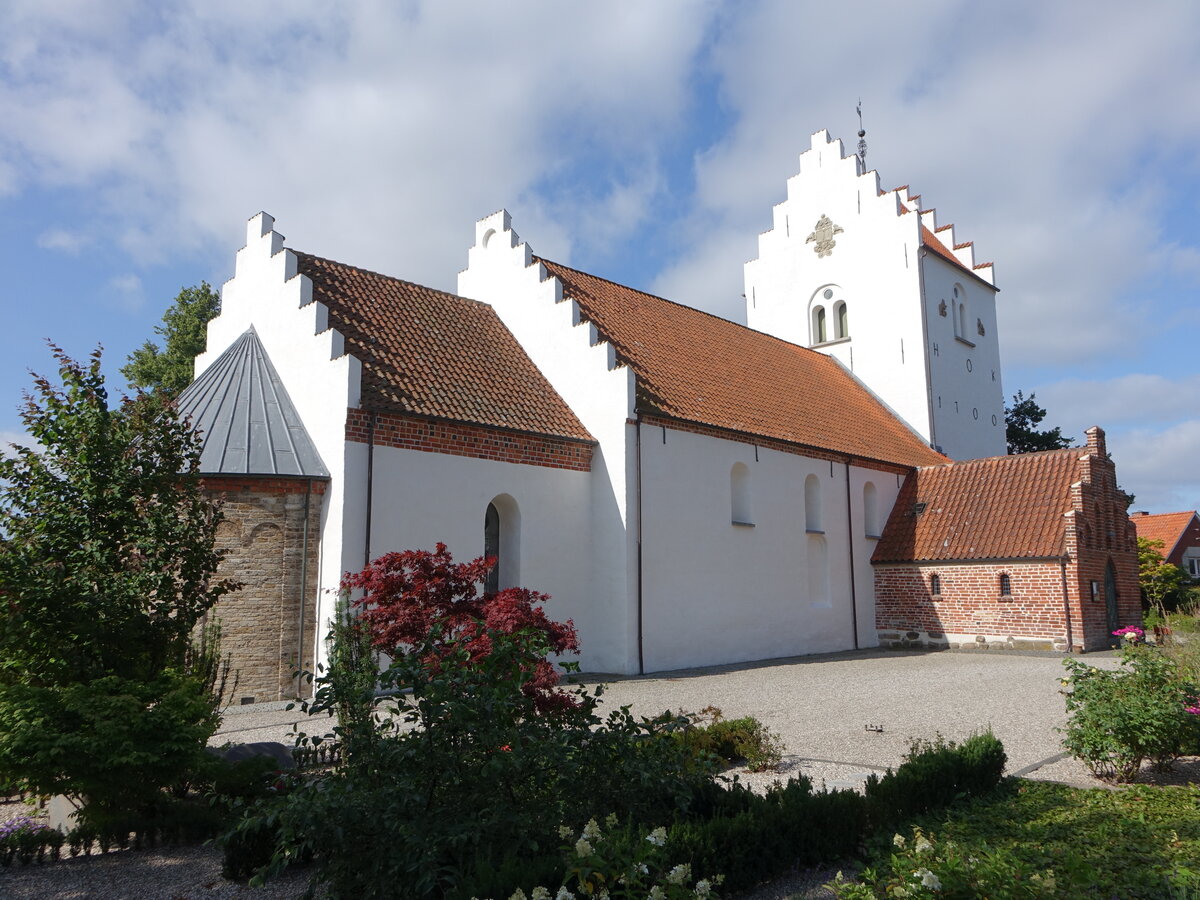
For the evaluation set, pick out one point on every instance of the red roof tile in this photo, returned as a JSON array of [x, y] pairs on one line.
[[1165, 527], [1004, 507], [430, 353], [697, 367]]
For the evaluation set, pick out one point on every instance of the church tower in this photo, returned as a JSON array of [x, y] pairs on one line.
[[869, 277]]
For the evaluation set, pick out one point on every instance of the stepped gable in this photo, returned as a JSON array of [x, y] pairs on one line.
[[430, 353], [245, 419], [1003, 507], [700, 368], [1166, 527]]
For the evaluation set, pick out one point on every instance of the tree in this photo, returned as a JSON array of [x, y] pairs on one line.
[[107, 564], [407, 596], [1161, 582], [1021, 421], [185, 331]]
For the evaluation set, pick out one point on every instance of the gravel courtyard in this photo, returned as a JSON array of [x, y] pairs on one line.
[[841, 716]]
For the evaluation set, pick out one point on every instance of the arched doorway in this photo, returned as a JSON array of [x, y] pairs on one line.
[[502, 540], [1110, 603]]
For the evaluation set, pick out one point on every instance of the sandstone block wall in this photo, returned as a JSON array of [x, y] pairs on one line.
[[263, 534]]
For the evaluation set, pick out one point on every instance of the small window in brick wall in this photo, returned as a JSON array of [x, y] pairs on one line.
[[1005, 585], [935, 584]]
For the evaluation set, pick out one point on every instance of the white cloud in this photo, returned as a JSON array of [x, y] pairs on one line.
[[128, 292], [1159, 467], [8, 438], [376, 133], [1126, 400], [1058, 167], [69, 242]]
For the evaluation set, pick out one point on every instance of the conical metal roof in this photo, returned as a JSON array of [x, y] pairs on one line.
[[245, 420]]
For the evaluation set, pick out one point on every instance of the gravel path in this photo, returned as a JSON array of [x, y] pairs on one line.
[[841, 716]]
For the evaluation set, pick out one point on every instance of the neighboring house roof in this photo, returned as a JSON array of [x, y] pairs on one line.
[[1166, 527], [1003, 507], [431, 353], [244, 418], [701, 368]]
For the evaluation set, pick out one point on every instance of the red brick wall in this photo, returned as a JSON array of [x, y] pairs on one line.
[[970, 603], [1096, 532], [458, 439]]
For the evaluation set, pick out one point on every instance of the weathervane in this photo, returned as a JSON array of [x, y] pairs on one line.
[[862, 139]]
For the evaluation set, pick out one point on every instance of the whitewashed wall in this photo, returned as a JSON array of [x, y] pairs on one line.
[[322, 381], [966, 387], [584, 371], [422, 498], [875, 267], [717, 592]]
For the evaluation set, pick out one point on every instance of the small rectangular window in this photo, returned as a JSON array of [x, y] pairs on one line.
[[1005, 585], [935, 585]]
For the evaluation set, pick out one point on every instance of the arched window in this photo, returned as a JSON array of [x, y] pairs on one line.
[[935, 584], [502, 541], [841, 324], [820, 333], [962, 327], [871, 510], [1005, 585], [739, 494], [812, 504]]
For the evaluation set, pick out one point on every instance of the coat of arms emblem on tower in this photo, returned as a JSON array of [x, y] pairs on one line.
[[823, 235]]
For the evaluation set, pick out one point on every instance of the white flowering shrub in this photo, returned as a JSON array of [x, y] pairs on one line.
[[621, 864], [924, 868]]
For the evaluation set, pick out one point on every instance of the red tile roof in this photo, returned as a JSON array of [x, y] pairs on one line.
[[430, 353], [697, 367], [1165, 527], [1004, 507], [930, 240]]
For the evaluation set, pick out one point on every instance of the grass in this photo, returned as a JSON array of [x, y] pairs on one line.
[[1141, 841]]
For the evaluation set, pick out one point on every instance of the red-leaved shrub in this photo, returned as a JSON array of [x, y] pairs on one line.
[[406, 594]]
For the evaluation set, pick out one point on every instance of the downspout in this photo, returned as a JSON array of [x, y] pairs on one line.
[[303, 575], [1062, 562], [850, 544], [370, 482], [638, 475]]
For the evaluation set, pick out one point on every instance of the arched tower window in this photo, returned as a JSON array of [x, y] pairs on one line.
[[871, 510], [740, 496], [962, 318], [812, 504], [841, 322], [820, 332], [502, 541]]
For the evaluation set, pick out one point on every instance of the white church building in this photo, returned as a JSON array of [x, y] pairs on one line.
[[688, 490]]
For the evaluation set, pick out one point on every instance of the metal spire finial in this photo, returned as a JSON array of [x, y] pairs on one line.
[[862, 139]]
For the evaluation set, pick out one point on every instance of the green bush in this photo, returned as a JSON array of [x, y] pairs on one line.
[[935, 774], [463, 774], [1116, 720], [744, 739], [753, 837]]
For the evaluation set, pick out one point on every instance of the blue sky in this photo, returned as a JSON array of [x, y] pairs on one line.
[[644, 142]]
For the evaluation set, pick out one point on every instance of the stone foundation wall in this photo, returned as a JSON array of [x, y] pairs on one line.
[[263, 534]]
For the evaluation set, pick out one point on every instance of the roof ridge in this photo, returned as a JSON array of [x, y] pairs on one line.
[[1072, 451], [694, 309], [372, 272]]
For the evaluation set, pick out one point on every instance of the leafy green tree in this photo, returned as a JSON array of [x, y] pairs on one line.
[[1161, 582], [107, 563], [184, 329], [1021, 421]]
